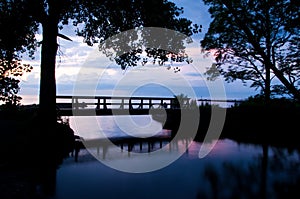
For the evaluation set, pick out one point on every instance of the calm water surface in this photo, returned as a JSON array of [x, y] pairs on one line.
[[230, 170]]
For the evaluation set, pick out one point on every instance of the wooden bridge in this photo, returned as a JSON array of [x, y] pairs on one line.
[[118, 105], [104, 105]]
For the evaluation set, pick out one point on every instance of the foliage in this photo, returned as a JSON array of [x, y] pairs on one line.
[[110, 18], [16, 37], [276, 103], [182, 101], [289, 63], [8, 90], [9, 86], [98, 20], [256, 41], [95, 20]]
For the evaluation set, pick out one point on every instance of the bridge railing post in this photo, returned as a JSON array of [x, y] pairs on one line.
[[122, 104], [98, 103], [141, 104], [150, 103], [130, 104], [75, 103], [104, 104]]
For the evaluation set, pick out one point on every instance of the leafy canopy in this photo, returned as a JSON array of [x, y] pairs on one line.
[[251, 37], [16, 37], [97, 20]]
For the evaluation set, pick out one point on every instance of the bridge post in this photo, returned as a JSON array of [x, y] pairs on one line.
[[141, 106], [150, 103], [98, 103], [75, 103], [104, 104], [130, 105], [122, 104]]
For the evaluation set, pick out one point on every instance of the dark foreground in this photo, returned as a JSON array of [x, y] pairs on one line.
[[31, 155]]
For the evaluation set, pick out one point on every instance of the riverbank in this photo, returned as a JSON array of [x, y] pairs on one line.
[[275, 125], [30, 155]]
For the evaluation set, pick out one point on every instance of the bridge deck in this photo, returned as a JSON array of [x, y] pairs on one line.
[[118, 105], [103, 105]]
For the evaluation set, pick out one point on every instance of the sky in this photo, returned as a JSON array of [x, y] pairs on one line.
[[83, 70]]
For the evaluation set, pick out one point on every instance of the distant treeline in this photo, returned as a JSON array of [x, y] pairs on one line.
[[251, 121]]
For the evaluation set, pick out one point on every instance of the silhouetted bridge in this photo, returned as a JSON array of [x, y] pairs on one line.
[[104, 105], [117, 105]]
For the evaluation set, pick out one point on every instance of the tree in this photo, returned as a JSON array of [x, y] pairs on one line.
[[255, 41], [96, 21], [14, 40], [289, 63], [9, 86]]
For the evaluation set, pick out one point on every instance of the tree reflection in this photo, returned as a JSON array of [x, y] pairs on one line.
[[273, 174], [44, 154]]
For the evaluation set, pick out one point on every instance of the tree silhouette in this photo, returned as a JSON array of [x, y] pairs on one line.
[[14, 40], [96, 20], [255, 41]]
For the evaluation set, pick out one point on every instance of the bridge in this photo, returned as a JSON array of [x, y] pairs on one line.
[[117, 105], [120, 105]]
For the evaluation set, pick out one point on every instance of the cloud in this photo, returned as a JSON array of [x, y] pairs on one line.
[[89, 71], [192, 74]]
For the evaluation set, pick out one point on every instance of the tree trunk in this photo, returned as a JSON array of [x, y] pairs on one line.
[[47, 82]]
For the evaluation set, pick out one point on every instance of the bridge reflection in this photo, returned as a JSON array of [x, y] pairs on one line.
[[114, 147]]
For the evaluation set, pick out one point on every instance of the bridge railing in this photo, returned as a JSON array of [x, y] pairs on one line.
[[116, 102], [120, 102]]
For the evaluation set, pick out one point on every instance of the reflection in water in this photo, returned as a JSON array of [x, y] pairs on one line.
[[90, 127], [269, 175], [231, 170]]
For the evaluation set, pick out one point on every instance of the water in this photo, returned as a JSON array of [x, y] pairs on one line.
[[230, 170], [91, 127]]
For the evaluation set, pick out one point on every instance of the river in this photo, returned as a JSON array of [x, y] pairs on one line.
[[173, 170]]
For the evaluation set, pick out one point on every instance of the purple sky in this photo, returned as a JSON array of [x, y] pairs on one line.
[[106, 78]]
